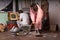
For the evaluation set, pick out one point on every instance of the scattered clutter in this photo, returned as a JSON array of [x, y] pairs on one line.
[[2, 27]]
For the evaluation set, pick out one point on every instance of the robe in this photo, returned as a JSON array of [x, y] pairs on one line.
[[38, 18]]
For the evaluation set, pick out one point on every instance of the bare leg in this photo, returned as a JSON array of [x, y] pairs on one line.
[[39, 30], [36, 30]]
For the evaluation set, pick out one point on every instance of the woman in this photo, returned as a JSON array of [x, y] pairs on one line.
[[24, 18], [36, 14]]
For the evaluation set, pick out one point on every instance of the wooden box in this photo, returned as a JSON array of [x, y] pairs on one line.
[[13, 16]]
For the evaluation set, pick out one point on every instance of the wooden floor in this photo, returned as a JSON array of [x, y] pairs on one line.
[[46, 36]]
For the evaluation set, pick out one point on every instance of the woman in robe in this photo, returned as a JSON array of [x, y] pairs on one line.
[[36, 14]]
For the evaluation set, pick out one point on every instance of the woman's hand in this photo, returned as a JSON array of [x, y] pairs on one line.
[[33, 23]]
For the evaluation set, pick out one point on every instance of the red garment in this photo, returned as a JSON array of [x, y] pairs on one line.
[[9, 26], [38, 18]]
